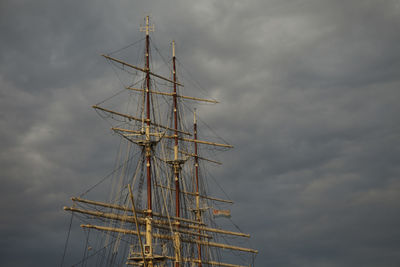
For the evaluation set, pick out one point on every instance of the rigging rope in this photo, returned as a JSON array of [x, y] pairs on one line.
[[193, 81], [159, 53], [85, 249], [66, 242], [95, 253], [127, 46], [108, 175]]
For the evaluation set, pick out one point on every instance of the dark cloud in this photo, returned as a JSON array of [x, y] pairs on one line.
[[309, 93]]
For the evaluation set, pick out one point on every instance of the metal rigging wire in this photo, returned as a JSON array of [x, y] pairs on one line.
[[125, 47]]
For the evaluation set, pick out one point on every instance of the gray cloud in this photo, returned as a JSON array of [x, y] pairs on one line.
[[309, 93]]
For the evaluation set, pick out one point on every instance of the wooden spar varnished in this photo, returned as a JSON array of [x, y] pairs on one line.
[[116, 129], [199, 141], [131, 219], [113, 206], [137, 119], [194, 194], [177, 137], [212, 263], [133, 263], [123, 231], [172, 94], [161, 134], [137, 225], [219, 231], [158, 222], [220, 245], [148, 152], [199, 157], [169, 237], [140, 69], [176, 164]]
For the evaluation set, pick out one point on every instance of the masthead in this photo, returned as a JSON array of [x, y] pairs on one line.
[[148, 28]]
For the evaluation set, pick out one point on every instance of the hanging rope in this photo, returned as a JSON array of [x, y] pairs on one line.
[[85, 249], [66, 241]]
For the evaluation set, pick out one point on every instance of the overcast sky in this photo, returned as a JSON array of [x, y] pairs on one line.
[[310, 95]]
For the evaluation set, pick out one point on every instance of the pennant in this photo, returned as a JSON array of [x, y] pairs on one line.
[[221, 213]]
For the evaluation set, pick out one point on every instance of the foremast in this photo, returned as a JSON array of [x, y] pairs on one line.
[[148, 149]]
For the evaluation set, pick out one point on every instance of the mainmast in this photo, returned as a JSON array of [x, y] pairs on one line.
[[148, 144], [176, 162]]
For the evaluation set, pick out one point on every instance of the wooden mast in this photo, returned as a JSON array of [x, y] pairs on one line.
[[148, 154], [149, 237], [196, 167], [176, 162], [137, 225]]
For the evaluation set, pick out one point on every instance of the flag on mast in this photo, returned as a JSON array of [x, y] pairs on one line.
[[221, 213]]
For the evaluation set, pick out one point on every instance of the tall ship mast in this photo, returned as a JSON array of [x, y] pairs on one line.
[[159, 212]]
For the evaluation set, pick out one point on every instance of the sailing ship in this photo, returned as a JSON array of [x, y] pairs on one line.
[[159, 212]]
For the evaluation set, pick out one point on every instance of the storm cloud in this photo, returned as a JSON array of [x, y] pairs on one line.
[[310, 100]]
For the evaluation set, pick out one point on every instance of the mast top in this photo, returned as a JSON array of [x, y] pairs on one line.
[[147, 28]]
